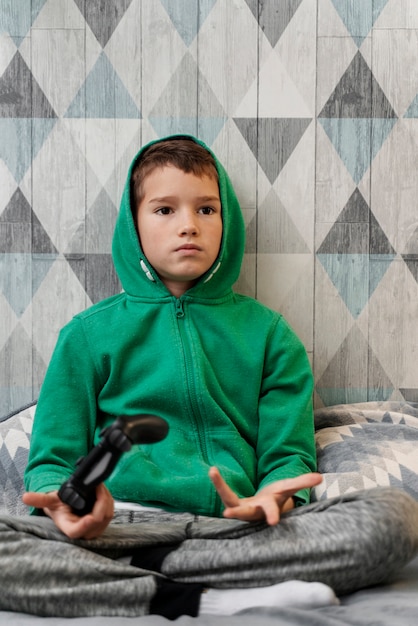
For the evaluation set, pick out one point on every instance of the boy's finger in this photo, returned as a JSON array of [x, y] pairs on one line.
[[104, 505], [228, 497], [242, 513], [305, 480], [288, 486], [40, 500], [272, 513]]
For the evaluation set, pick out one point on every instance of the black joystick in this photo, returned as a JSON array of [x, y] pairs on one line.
[[79, 491]]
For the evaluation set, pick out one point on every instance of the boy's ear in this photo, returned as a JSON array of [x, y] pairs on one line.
[[134, 211]]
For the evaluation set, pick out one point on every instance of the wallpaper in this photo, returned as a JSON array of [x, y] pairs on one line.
[[311, 105]]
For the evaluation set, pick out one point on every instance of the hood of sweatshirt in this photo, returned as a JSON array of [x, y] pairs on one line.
[[138, 277]]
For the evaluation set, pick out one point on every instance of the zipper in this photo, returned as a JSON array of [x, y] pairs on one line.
[[179, 308], [190, 380]]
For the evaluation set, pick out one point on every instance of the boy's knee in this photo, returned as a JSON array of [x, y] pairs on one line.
[[385, 521], [400, 509], [379, 534], [393, 516]]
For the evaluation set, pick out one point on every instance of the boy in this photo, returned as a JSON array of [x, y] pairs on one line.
[[234, 384]]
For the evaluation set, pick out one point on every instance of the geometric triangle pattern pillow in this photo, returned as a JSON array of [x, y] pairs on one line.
[[15, 432], [366, 445]]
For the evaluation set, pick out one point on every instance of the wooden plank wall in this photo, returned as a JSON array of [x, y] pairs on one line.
[[311, 105]]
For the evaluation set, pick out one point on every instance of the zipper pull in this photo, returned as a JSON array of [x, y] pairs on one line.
[[179, 308]]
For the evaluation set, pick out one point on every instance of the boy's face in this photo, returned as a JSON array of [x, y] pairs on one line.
[[180, 225]]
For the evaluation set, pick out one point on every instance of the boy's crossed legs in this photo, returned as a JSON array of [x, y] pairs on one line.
[[345, 543]]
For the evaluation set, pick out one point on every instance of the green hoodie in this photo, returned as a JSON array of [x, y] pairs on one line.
[[227, 373]]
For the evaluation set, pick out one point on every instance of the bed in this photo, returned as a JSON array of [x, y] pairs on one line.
[[360, 446]]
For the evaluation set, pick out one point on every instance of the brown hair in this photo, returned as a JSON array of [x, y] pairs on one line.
[[181, 152]]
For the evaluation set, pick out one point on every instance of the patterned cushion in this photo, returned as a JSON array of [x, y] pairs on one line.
[[15, 432], [361, 446]]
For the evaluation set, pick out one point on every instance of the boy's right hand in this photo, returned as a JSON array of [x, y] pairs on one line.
[[267, 504], [75, 527]]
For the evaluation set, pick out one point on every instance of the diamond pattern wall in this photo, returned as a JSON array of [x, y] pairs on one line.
[[312, 105]]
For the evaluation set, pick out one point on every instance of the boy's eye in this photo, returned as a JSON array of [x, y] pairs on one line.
[[164, 210], [207, 210]]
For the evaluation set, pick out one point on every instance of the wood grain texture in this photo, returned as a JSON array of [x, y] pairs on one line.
[[227, 70], [309, 106], [58, 65]]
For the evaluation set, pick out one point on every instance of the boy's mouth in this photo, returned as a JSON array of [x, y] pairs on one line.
[[188, 246]]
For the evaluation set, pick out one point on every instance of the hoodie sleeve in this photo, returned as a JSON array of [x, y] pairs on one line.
[[65, 418], [286, 440]]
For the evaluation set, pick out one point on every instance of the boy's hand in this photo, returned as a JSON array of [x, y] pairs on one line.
[[268, 503], [75, 527]]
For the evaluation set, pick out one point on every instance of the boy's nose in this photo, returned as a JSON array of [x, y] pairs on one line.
[[189, 224], [189, 229]]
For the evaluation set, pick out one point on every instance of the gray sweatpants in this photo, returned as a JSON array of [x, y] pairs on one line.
[[348, 543]]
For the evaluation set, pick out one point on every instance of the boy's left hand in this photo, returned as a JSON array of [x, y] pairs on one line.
[[89, 526], [268, 503]]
